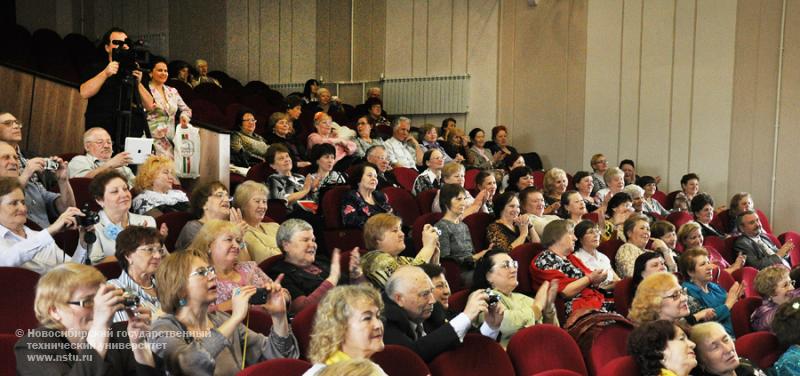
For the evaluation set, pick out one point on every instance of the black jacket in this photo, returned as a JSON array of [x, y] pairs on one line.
[[439, 336]]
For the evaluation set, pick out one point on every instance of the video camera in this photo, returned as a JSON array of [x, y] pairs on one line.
[[133, 58]]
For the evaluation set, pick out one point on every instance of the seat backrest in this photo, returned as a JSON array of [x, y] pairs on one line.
[[110, 270], [80, 188], [452, 273], [403, 204], [610, 248], [425, 200], [794, 255], [670, 200], [719, 244], [530, 354], [478, 355], [175, 222], [622, 366], [259, 321], [260, 172], [661, 197], [740, 315], [680, 218], [622, 296], [764, 221], [278, 366], [406, 176], [747, 275], [419, 224], [399, 360], [538, 179], [610, 343], [477, 223], [458, 300], [469, 178], [332, 206], [267, 264], [67, 241], [16, 307], [524, 254], [720, 221], [724, 279], [762, 348], [593, 216], [276, 209], [301, 327], [7, 342]]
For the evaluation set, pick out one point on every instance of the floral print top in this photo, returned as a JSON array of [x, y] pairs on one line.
[[356, 210]]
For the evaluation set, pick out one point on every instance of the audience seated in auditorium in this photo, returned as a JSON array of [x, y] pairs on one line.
[[402, 149], [716, 352], [555, 184], [662, 348], [75, 307], [377, 155], [499, 143], [690, 187], [433, 160], [599, 164], [285, 185], [497, 271], [453, 173], [310, 90], [617, 210], [486, 180], [520, 178], [326, 134], [455, 240], [448, 125], [259, 237], [202, 71], [786, 326], [690, 236], [377, 115], [364, 109], [509, 163], [365, 139], [646, 264], [628, 167], [615, 182], [307, 275], [702, 207], [660, 297], [637, 233], [510, 228], [665, 231], [697, 271], [98, 157], [583, 182], [111, 192], [532, 203], [185, 283], [161, 118], [578, 285], [208, 201], [364, 199], [775, 287], [572, 207], [441, 288], [478, 155], [347, 326], [139, 253], [39, 202], [456, 145], [26, 248], [280, 134], [179, 70], [740, 203], [156, 177], [384, 238], [327, 103], [247, 147], [413, 319], [323, 158], [11, 132], [220, 242], [757, 246], [637, 198], [430, 141], [587, 234], [651, 205], [294, 108]]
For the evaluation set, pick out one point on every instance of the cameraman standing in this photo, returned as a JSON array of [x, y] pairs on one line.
[[108, 93]]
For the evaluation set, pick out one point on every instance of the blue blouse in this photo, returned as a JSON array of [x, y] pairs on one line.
[[715, 299], [789, 363]]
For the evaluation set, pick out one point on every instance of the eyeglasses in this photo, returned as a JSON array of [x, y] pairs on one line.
[[508, 264], [603, 161], [152, 250], [102, 142], [677, 295], [87, 302], [203, 271], [222, 195], [250, 120], [13, 123]]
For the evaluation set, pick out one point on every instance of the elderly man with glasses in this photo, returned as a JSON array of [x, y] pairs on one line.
[[98, 157]]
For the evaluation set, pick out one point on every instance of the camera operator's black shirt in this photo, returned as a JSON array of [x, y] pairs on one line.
[[102, 107]]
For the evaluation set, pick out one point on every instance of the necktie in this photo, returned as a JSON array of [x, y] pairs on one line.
[[419, 331]]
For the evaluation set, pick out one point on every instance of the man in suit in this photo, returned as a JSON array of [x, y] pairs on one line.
[[413, 318], [757, 246]]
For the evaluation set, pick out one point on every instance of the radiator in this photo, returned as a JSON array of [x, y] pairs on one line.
[[288, 88], [426, 95]]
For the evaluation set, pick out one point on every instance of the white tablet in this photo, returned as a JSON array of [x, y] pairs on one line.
[[139, 148]]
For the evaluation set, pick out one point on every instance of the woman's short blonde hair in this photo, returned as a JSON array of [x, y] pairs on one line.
[[646, 305], [687, 262], [352, 367], [612, 172], [55, 289], [210, 231], [246, 191], [550, 178], [148, 171], [702, 332], [451, 168], [330, 322], [376, 226], [686, 230], [767, 279], [172, 277]]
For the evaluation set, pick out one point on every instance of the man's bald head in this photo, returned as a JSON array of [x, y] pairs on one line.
[[412, 290]]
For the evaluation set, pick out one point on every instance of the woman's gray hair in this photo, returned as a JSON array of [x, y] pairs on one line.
[[288, 228], [633, 190]]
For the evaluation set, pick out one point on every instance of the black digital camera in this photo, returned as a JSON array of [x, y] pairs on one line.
[[260, 297], [130, 301], [493, 297], [90, 217], [133, 58]]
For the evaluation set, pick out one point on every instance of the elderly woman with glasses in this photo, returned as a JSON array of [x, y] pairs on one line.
[[326, 134], [75, 307], [247, 147], [697, 271], [139, 253], [209, 201], [259, 237], [309, 277], [195, 341], [577, 283], [364, 139], [776, 287], [661, 297], [154, 181], [498, 271]]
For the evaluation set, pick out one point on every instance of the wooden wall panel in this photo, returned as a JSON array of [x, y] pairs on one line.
[[19, 104], [56, 122]]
